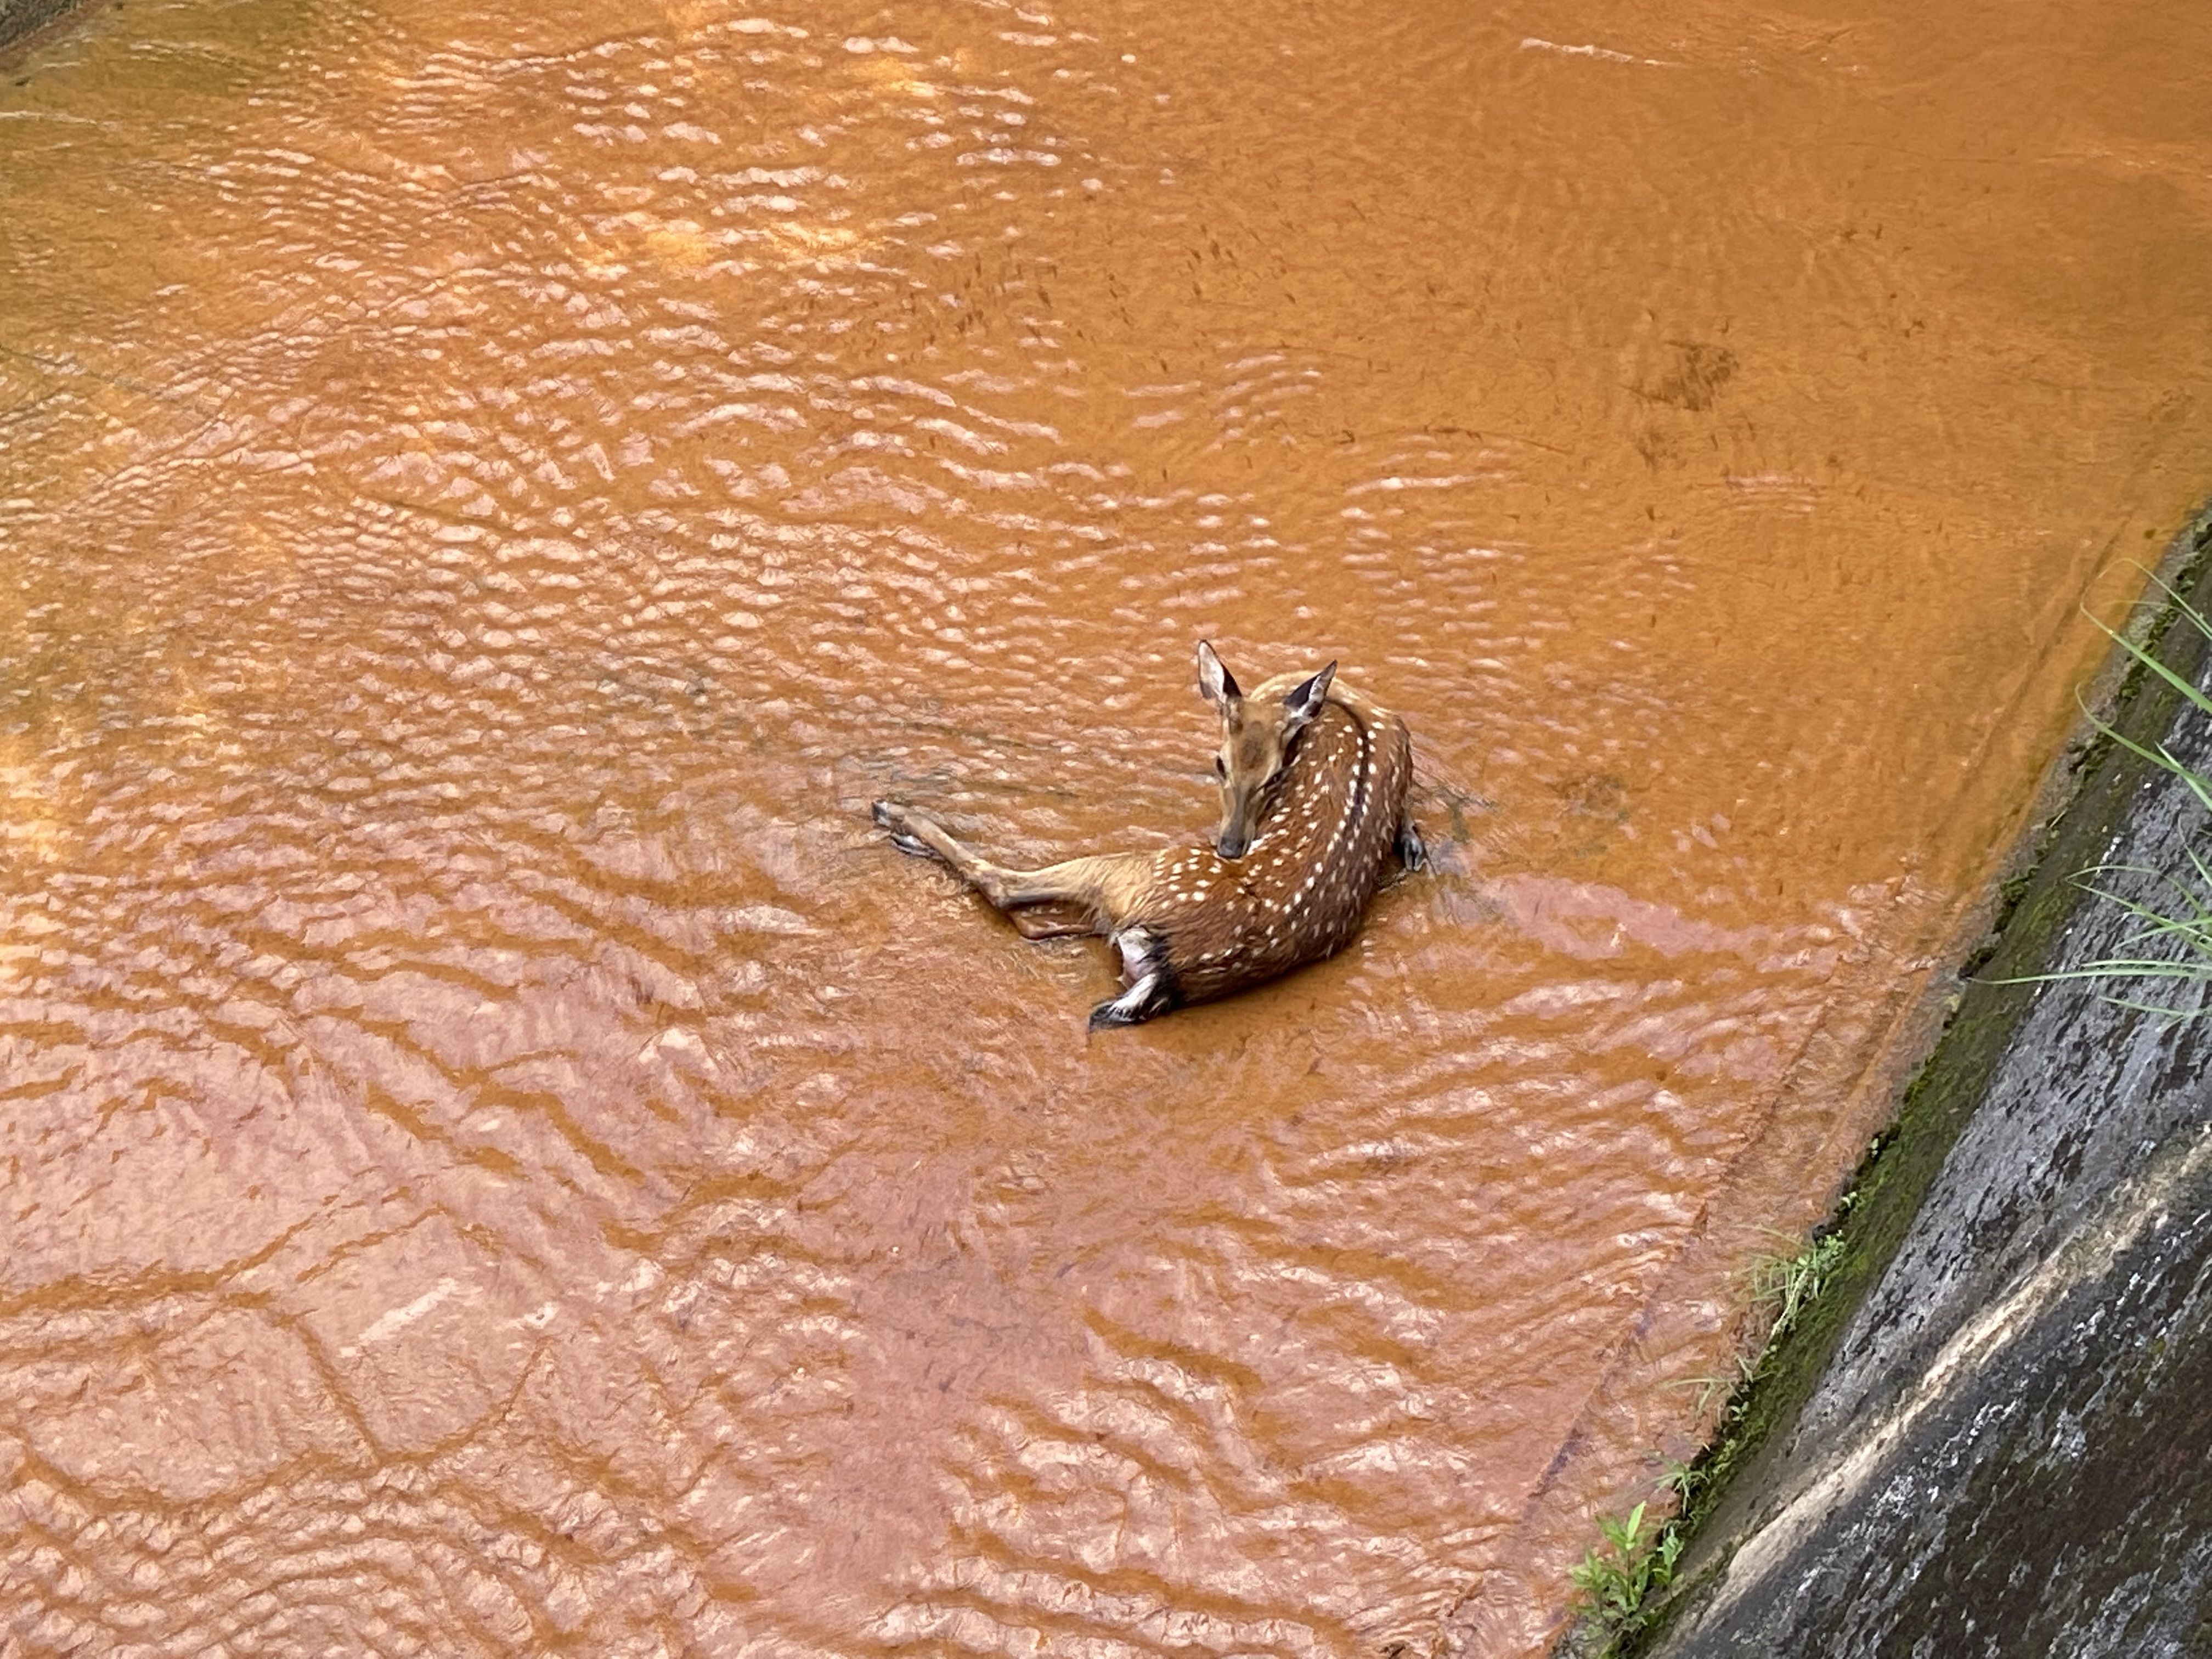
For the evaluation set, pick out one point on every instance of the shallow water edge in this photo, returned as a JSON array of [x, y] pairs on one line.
[[1988, 1432]]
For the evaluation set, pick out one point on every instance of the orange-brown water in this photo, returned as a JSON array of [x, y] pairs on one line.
[[499, 1157]]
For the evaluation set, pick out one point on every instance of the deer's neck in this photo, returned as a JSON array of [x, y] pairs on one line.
[[1326, 793]]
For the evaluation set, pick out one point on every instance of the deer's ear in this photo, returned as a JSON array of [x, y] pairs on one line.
[[1215, 683], [1304, 701]]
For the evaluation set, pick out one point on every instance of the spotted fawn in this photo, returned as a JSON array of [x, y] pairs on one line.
[[1314, 778]]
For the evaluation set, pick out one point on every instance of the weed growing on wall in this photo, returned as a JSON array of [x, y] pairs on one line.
[[1615, 1582], [1619, 1579], [2171, 943]]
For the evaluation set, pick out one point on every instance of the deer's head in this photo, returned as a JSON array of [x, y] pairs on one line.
[[1256, 733]]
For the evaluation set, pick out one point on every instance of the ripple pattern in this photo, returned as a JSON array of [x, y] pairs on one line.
[[499, 1157]]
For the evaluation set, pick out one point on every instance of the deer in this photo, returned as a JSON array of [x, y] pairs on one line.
[[1314, 778]]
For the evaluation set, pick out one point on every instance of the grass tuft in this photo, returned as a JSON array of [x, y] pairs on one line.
[[2172, 939], [1788, 1284]]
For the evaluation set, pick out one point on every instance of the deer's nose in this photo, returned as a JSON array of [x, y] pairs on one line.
[[1233, 844]]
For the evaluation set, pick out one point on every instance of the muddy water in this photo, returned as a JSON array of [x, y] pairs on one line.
[[500, 1158]]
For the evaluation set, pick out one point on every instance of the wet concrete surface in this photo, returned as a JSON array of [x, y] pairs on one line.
[[2009, 1453]]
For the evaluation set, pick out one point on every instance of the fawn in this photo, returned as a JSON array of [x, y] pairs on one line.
[[1314, 778]]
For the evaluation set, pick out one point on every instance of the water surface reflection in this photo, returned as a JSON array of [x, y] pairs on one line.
[[500, 1155]]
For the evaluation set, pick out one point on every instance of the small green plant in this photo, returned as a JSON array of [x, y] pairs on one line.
[[2174, 942], [1618, 1581], [1685, 1480], [1788, 1284], [1634, 1563]]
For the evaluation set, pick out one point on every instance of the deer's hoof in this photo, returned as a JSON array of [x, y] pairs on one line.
[[1413, 851], [1149, 996], [892, 817]]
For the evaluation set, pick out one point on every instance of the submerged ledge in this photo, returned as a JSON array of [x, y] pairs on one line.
[[1987, 1435]]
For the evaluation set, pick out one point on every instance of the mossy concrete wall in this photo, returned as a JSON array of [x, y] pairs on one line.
[[1997, 1439]]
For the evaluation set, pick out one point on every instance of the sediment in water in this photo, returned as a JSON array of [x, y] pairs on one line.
[[1991, 1437], [496, 1141]]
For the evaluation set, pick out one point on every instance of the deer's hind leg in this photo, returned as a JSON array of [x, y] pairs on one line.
[[1101, 890]]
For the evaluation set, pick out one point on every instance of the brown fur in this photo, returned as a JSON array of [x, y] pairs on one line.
[[1323, 802]]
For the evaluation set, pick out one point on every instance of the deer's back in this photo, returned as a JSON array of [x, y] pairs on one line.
[[1301, 890]]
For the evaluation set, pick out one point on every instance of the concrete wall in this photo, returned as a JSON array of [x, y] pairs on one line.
[[2009, 1449]]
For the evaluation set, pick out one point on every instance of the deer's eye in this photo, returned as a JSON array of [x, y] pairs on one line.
[[1220, 767]]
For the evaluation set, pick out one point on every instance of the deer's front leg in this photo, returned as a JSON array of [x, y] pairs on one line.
[[1105, 887], [914, 832]]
